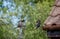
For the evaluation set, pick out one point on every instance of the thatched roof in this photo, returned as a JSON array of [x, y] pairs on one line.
[[53, 21]]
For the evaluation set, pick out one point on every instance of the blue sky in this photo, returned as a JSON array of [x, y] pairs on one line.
[[12, 9]]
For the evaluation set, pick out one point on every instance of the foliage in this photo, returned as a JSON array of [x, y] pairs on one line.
[[6, 31], [33, 10]]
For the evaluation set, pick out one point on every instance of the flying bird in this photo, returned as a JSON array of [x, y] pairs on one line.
[[21, 23], [38, 23]]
